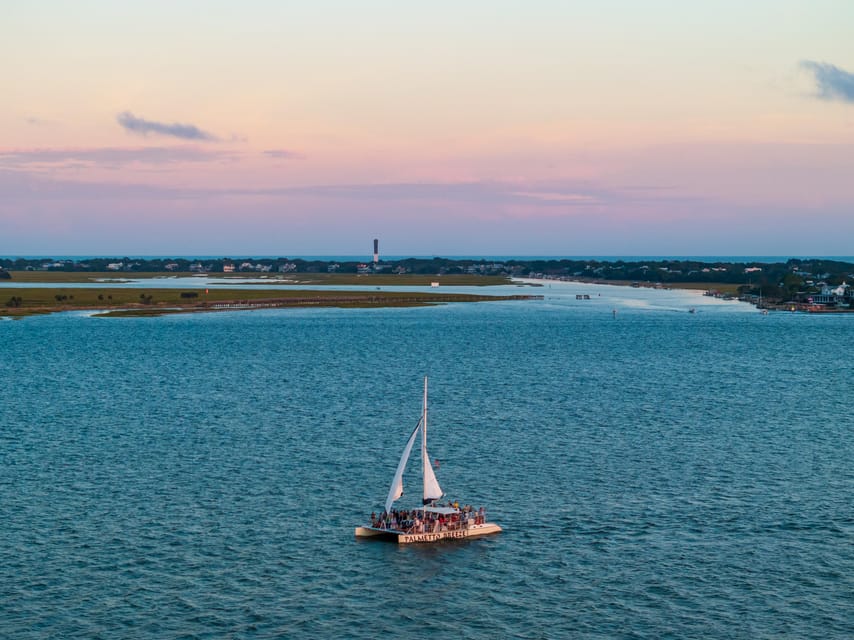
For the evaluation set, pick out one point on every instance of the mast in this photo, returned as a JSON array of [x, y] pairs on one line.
[[432, 490], [424, 421], [424, 460]]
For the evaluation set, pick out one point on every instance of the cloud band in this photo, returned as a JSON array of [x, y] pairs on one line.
[[141, 126]]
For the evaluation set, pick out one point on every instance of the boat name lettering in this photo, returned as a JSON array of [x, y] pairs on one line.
[[430, 537]]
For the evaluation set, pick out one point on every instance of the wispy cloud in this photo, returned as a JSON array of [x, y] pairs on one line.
[[107, 156], [557, 197], [141, 126], [282, 154], [491, 195], [23, 186], [563, 196], [831, 82]]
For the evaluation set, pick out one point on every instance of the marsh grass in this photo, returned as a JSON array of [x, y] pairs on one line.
[[152, 302]]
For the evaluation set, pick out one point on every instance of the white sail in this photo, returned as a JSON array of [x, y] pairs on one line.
[[432, 490], [396, 489]]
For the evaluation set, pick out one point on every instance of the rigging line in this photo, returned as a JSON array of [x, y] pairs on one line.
[[417, 424]]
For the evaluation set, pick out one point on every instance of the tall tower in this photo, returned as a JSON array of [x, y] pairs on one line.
[[376, 251]]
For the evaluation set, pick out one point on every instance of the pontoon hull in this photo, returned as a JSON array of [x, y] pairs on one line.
[[475, 531]]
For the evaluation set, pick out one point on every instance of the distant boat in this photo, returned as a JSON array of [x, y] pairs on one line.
[[692, 310], [430, 522]]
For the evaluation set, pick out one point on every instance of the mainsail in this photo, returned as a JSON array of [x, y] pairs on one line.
[[396, 489]]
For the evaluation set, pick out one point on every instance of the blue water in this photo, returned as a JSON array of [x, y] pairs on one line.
[[658, 473]]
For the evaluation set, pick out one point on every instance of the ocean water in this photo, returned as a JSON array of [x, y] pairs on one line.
[[658, 473]]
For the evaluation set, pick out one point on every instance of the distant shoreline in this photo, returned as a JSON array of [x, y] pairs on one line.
[[731, 289], [128, 302], [776, 280], [808, 285], [467, 257]]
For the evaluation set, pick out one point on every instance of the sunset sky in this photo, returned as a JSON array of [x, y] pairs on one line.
[[442, 128]]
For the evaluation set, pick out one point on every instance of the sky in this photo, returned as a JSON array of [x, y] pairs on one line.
[[445, 128]]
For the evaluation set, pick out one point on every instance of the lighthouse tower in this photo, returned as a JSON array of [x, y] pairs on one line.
[[376, 250]]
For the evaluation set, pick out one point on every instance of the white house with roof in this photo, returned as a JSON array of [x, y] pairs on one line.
[[830, 295]]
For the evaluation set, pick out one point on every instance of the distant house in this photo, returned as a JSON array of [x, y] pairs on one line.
[[832, 296], [197, 267], [228, 268], [172, 266], [115, 266]]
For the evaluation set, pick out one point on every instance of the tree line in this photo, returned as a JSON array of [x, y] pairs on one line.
[[774, 279]]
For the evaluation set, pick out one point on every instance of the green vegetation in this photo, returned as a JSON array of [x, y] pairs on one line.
[[723, 287], [134, 301], [80, 276]]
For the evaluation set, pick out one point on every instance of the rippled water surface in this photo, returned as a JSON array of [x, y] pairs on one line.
[[658, 473]]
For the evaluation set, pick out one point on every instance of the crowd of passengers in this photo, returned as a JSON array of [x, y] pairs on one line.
[[418, 521]]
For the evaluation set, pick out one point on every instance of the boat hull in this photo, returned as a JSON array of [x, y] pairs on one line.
[[475, 531]]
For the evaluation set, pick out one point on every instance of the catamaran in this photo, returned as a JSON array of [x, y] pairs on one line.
[[429, 522]]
